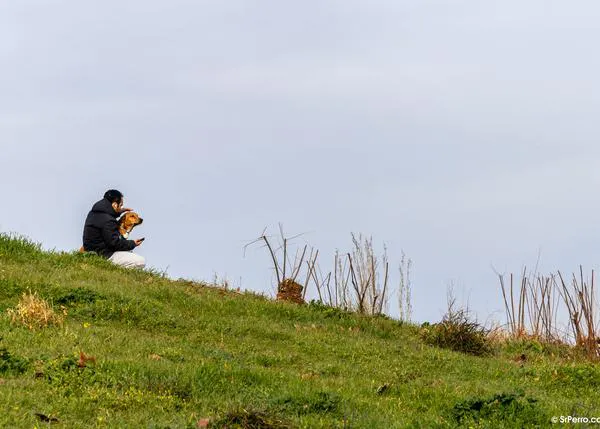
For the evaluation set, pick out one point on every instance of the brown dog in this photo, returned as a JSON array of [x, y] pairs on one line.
[[129, 221], [126, 224]]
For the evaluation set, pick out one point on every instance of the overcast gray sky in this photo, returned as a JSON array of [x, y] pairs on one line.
[[465, 133]]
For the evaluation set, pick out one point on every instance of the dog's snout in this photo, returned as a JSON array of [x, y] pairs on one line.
[[141, 220]]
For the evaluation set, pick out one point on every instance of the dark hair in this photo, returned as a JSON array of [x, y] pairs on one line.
[[113, 196]]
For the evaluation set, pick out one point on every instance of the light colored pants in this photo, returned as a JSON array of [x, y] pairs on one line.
[[128, 260]]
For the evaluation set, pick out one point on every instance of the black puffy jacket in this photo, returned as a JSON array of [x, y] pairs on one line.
[[101, 231]]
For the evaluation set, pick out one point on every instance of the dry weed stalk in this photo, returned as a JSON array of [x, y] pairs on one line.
[[220, 283], [322, 282], [341, 281], [542, 306], [404, 289], [515, 316], [35, 312]]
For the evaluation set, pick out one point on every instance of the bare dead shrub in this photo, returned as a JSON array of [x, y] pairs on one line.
[[533, 308], [358, 282], [360, 279], [369, 276], [287, 273], [578, 297]]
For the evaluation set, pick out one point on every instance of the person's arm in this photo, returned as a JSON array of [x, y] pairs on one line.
[[113, 239]]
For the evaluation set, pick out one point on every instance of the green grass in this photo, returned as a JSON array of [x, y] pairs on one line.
[[169, 353]]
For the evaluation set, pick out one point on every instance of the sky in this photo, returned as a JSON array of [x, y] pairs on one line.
[[463, 133]]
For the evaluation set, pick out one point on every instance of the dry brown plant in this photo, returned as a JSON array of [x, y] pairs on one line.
[[35, 312]]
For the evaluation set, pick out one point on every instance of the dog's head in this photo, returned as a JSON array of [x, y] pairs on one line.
[[129, 221]]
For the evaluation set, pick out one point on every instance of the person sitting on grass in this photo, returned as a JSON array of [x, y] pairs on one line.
[[101, 232]]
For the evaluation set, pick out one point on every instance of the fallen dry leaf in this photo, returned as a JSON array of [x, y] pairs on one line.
[[84, 359], [203, 423]]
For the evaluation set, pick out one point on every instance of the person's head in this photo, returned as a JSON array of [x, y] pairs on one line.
[[116, 199]]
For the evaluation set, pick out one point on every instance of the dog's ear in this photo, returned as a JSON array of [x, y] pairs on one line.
[[123, 219]]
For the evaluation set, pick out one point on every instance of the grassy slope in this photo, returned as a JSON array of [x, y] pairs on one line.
[[222, 351]]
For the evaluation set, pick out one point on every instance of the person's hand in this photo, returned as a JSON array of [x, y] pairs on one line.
[[124, 209], [139, 241]]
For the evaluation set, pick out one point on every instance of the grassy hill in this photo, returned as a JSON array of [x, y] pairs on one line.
[[168, 354]]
